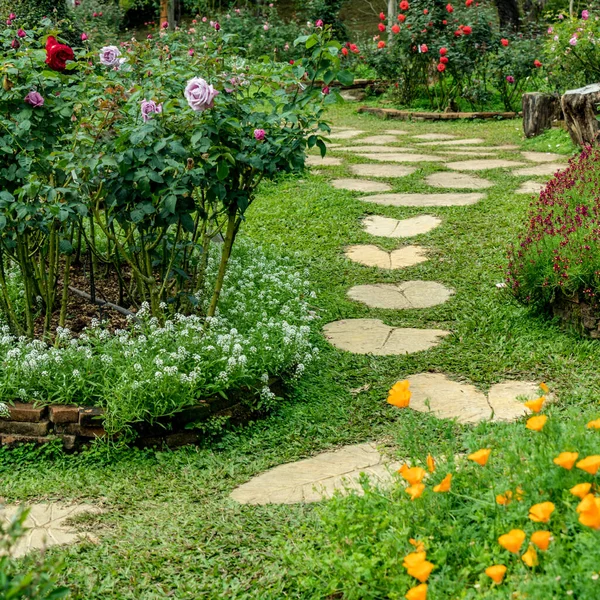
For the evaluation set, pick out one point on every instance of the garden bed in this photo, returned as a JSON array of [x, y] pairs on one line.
[[406, 115]]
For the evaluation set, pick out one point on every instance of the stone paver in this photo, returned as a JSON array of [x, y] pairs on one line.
[[377, 140], [317, 478], [446, 399], [382, 170], [531, 187], [482, 165], [465, 153], [360, 185], [396, 131], [393, 228], [345, 134], [503, 147], [402, 157], [316, 161], [400, 296], [465, 142], [372, 336], [373, 256], [434, 136], [373, 149], [457, 181], [544, 157], [542, 170], [448, 199], [46, 525]]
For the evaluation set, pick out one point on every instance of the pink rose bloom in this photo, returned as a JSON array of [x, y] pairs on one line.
[[325, 91], [556, 38], [35, 99], [585, 15], [149, 107], [149, 36], [573, 41], [259, 134], [550, 29], [200, 94], [12, 16], [21, 33], [165, 25], [109, 56], [15, 44], [204, 19], [319, 23], [217, 26], [191, 52], [510, 79], [266, 27], [561, 16], [84, 37], [424, 48]]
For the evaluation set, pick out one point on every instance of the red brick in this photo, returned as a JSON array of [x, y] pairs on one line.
[[10, 440], [22, 411], [91, 416], [64, 413], [79, 430], [21, 428]]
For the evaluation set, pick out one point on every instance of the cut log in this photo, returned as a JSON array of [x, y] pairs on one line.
[[579, 108], [540, 111]]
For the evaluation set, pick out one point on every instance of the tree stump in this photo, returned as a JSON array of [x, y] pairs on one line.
[[579, 108], [539, 112]]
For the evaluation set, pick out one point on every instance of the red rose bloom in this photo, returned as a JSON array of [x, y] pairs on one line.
[[443, 51], [57, 54], [468, 2], [444, 22], [424, 48], [450, 8], [458, 33], [467, 30], [441, 67], [425, 11], [444, 60], [382, 16], [404, 5], [395, 29], [504, 42], [381, 44], [354, 48], [345, 51], [537, 64], [381, 27], [401, 18]]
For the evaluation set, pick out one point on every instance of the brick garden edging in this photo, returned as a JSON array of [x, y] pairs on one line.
[[77, 426]]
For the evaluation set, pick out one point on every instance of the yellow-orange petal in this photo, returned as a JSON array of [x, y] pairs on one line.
[[430, 464], [581, 490], [566, 460], [519, 494], [444, 484], [544, 388], [421, 571], [595, 424], [589, 511], [399, 396], [541, 513], [504, 499], [496, 573], [413, 559], [415, 491], [536, 405], [536, 423], [590, 464], [481, 456], [414, 475], [417, 593], [403, 468], [530, 558], [513, 540], [541, 539], [418, 544]]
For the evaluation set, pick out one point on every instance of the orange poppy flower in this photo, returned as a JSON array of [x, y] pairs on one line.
[[590, 464], [419, 545], [581, 490], [430, 464], [530, 558], [414, 475], [541, 539], [589, 511], [417, 593], [536, 423], [566, 460], [400, 395], [519, 493], [595, 424], [544, 388], [413, 559], [421, 571], [496, 573], [536, 405], [402, 469], [540, 513], [444, 484], [481, 456], [504, 499], [415, 491], [513, 540]]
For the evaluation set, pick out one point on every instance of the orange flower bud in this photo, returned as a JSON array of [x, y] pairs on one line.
[[544, 388], [444, 485], [536, 405], [430, 464], [530, 558]]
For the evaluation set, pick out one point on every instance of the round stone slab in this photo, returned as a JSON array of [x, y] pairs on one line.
[[372, 336], [435, 393], [541, 170], [401, 296], [457, 181], [372, 256], [377, 140], [317, 478], [482, 165], [465, 153], [373, 149], [382, 170], [316, 161], [360, 185], [345, 134], [46, 525], [531, 187], [434, 136], [543, 157], [396, 132], [467, 142], [402, 157], [449, 199], [392, 228]]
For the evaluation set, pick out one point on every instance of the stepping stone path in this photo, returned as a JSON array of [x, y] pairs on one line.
[[345, 134], [392, 228], [465, 153], [402, 157], [396, 132], [377, 140], [382, 170], [457, 181], [373, 149], [449, 199], [401, 296], [373, 256], [317, 478], [372, 336], [483, 165], [543, 157], [435, 393], [543, 169], [434, 136], [531, 187], [47, 525], [360, 185], [467, 142], [327, 161]]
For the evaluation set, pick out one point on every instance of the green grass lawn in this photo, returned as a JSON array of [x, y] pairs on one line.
[[168, 529]]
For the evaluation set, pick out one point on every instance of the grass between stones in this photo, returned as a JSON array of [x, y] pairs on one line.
[[168, 527]]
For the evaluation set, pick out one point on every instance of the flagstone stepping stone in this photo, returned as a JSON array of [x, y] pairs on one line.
[[449, 199], [345, 134], [373, 256], [47, 525], [317, 478], [317, 161], [403, 157], [372, 336], [401, 296], [396, 131], [360, 185], [466, 142], [543, 157], [434, 136], [543, 169], [457, 181], [392, 228], [465, 153], [377, 140], [531, 187], [373, 149], [435, 393], [382, 170], [482, 165], [503, 147]]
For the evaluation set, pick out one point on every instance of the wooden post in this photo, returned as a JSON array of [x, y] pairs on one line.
[[539, 112], [579, 108], [164, 12]]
